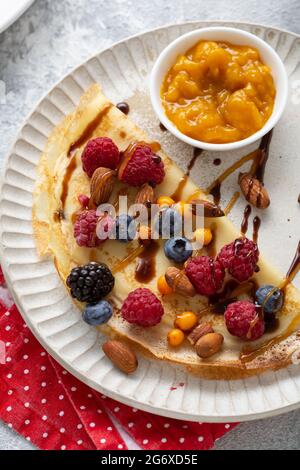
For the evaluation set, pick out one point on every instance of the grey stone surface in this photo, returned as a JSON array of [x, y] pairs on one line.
[[278, 433], [55, 35]]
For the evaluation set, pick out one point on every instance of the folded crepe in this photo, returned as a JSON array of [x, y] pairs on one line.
[[60, 179]]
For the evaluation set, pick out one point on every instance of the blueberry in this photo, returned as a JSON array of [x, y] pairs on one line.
[[98, 313], [178, 249], [125, 228], [168, 223], [270, 297]]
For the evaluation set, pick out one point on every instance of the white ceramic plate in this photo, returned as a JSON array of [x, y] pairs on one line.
[[11, 10], [46, 306]]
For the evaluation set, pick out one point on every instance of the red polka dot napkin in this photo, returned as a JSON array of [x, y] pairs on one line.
[[53, 410]]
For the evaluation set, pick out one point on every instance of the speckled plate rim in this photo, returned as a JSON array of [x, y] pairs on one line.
[[166, 411]]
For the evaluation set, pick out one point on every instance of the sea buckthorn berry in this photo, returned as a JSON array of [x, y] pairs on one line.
[[175, 337], [186, 321], [165, 201], [163, 287], [203, 235]]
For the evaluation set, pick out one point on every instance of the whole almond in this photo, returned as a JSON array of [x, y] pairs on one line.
[[102, 184], [210, 208], [209, 344], [200, 330], [126, 157], [254, 191], [120, 355], [145, 195], [179, 282]]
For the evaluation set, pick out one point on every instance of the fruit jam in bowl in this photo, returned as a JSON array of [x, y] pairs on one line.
[[219, 88]]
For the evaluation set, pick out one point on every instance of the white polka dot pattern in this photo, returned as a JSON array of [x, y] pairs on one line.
[[51, 416]]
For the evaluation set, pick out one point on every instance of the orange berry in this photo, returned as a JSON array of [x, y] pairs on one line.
[[203, 235], [175, 337], [165, 201], [163, 286], [186, 321]]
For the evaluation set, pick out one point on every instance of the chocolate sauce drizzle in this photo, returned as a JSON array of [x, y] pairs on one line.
[[123, 263], [230, 293], [256, 227], [89, 130], [259, 159], [244, 225], [145, 266], [293, 269], [259, 164], [67, 177], [177, 195], [197, 152], [216, 193], [124, 107], [245, 222], [248, 354], [58, 215], [231, 203], [215, 188]]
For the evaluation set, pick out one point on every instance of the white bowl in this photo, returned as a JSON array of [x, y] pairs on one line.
[[236, 36]]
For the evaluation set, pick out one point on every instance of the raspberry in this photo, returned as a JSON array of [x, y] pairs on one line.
[[84, 200], [100, 152], [242, 319], [142, 307], [141, 166], [85, 229], [206, 274], [240, 258], [105, 226]]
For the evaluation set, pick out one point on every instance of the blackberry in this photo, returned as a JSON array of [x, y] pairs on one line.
[[91, 282]]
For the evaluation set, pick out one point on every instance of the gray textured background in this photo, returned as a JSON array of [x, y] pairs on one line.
[[55, 35]]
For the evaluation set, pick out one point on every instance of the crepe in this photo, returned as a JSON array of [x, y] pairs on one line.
[[60, 179]]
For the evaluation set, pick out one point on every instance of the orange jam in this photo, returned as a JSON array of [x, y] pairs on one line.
[[219, 92]]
